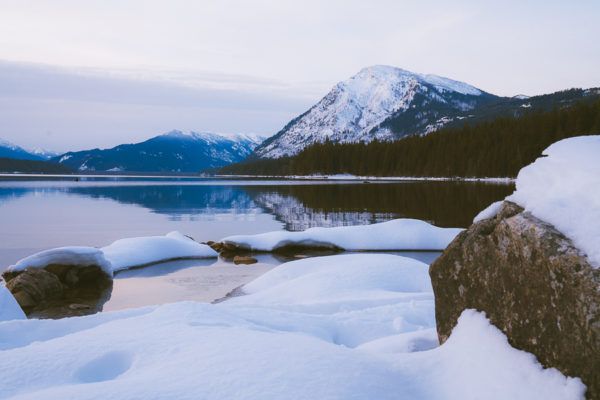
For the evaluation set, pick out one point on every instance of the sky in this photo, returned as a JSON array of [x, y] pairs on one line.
[[82, 74]]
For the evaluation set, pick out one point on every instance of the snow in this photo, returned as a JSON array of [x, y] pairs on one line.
[[399, 234], [303, 332], [71, 255], [563, 188], [9, 308], [139, 251], [489, 212], [122, 254]]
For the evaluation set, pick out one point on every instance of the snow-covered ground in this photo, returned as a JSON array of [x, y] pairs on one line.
[[9, 308], [340, 327], [122, 254], [563, 188], [398, 234]]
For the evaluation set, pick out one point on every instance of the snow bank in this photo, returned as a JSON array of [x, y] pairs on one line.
[[122, 254], [563, 189], [73, 255], [399, 234], [9, 308], [140, 251], [331, 338]]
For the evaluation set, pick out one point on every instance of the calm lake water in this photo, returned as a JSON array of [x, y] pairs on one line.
[[41, 214]]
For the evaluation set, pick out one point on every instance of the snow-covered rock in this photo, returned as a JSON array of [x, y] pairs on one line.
[[399, 234], [563, 188], [140, 251], [122, 254], [361, 109], [72, 255], [9, 308], [343, 343]]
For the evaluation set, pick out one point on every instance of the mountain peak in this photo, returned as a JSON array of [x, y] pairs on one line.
[[361, 109]]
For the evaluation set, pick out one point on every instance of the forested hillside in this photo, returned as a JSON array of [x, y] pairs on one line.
[[496, 148], [32, 166]]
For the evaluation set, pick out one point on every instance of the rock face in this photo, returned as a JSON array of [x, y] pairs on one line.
[[532, 283], [59, 291]]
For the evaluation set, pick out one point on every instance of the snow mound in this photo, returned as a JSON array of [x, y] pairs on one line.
[[563, 188], [72, 255], [399, 234], [9, 308], [122, 254], [140, 251], [337, 340]]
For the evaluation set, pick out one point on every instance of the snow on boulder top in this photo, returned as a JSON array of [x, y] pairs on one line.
[[140, 251], [563, 188], [9, 308], [72, 255], [399, 234], [122, 254]]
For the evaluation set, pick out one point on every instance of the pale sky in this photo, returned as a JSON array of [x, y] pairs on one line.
[[79, 74]]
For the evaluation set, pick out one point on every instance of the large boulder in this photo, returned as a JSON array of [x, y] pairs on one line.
[[532, 283], [59, 290]]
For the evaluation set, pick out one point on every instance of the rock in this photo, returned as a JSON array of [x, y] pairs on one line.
[[215, 246], [33, 286], [532, 283], [244, 260], [59, 291]]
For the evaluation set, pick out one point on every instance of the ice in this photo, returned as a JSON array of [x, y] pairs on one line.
[[304, 331], [399, 234]]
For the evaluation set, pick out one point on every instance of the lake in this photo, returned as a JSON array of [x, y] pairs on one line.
[[39, 214]]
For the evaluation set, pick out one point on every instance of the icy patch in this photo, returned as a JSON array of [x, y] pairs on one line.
[[563, 188], [9, 308], [399, 234]]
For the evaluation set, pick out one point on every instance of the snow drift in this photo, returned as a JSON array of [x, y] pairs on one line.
[[399, 234], [303, 332], [122, 254]]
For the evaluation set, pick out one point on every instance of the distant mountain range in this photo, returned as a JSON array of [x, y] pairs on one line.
[[380, 103], [10, 150], [173, 151]]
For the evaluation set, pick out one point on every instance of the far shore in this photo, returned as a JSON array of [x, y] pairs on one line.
[[336, 177]]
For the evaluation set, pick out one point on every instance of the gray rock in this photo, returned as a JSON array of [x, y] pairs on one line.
[[532, 283], [51, 292]]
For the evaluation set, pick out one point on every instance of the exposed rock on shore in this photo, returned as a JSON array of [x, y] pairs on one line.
[[60, 290], [532, 283]]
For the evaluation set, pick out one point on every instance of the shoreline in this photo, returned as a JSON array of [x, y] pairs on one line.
[[336, 177]]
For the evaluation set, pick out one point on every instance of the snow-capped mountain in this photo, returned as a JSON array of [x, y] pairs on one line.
[[174, 151], [380, 102], [11, 150]]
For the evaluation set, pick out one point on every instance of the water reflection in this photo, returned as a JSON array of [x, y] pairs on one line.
[[300, 206]]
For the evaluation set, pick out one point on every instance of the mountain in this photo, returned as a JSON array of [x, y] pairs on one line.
[[380, 102], [10, 150], [173, 151]]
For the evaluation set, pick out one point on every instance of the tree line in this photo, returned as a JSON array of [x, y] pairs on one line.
[[495, 148]]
